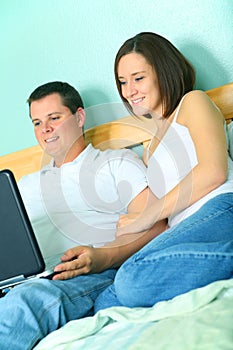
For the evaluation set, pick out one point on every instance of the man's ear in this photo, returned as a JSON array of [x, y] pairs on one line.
[[81, 116]]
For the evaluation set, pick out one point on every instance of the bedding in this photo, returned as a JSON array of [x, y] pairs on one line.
[[201, 319]]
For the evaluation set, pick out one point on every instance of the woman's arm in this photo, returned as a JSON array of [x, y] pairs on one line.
[[205, 123]]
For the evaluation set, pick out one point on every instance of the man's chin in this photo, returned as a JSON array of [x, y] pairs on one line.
[[52, 151]]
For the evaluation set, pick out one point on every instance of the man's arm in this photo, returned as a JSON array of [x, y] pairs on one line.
[[83, 260]]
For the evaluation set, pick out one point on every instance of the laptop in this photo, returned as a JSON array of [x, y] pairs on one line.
[[20, 255]]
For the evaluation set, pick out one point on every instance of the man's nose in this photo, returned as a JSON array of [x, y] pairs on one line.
[[46, 127]]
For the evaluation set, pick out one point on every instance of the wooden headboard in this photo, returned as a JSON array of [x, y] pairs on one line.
[[124, 132], [121, 133]]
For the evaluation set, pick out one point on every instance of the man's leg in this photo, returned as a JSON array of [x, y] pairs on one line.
[[34, 309], [192, 254]]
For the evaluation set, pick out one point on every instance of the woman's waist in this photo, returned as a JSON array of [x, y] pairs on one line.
[[175, 219]]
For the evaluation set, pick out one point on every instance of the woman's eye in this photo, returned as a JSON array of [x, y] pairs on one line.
[[139, 78], [122, 82]]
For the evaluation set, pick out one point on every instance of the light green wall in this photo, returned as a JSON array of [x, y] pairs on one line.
[[76, 41]]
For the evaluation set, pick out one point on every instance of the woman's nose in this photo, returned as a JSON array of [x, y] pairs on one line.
[[131, 90]]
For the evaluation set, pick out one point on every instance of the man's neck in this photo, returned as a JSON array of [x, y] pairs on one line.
[[76, 149]]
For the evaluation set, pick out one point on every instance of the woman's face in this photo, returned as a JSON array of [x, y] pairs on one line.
[[139, 84]]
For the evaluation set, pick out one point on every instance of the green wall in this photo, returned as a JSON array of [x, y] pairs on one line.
[[76, 41]]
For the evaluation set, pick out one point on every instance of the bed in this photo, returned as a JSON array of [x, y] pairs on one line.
[[200, 319]]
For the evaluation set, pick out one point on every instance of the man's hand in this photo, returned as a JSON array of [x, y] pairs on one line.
[[83, 260], [79, 261]]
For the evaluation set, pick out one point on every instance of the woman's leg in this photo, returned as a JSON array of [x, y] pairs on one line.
[[192, 254], [34, 309]]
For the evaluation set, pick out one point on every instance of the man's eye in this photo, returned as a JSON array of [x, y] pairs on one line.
[[36, 123], [55, 118]]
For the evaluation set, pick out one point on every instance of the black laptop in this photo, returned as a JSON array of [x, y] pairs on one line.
[[20, 255]]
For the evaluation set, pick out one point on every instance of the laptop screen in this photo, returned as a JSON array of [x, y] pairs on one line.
[[19, 250]]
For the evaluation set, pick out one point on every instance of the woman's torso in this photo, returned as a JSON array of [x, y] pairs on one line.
[[172, 160]]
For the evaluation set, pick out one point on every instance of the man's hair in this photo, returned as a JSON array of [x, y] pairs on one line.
[[69, 95], [176, 75]]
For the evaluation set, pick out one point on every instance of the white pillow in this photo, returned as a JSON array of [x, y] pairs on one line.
[[230, 138]]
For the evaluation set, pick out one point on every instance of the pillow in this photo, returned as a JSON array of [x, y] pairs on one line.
[[230, 138]]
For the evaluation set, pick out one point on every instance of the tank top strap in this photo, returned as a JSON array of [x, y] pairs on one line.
[[147, 152], [178, 109]]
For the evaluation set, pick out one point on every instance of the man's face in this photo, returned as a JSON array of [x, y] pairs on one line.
[[56, 128]]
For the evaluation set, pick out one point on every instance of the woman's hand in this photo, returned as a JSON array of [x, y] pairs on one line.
[[126, 224], [134, 223], [80, 260]]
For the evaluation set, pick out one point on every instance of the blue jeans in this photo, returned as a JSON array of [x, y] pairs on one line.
[[190, 255], [34, 309]]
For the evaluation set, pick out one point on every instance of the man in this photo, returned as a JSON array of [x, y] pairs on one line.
[[73, 203]]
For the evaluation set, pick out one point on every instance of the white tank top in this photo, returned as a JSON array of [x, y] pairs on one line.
[[172, 160]]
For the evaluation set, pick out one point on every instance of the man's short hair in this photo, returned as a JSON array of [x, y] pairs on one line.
[[69, 95]]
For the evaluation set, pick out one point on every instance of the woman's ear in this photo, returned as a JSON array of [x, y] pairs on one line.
[[81, 116]]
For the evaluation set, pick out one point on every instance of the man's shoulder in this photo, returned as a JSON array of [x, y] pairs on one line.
[[31, 178], [122, 153], [123, 160]]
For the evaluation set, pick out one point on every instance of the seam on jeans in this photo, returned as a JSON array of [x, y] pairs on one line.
[[187, 254], [68, 299], [64, 300], [174, 233], [217, 213]]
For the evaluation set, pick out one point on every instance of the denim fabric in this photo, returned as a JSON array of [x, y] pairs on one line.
[[190, 255], [32, 310]]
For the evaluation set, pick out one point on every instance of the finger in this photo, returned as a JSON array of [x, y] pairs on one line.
[[81, 262], [71, 273], [69, 255], [74, 253], [66, 275], [67, 266]]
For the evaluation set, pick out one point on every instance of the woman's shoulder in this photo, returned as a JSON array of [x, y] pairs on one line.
[[197, 103], [197, 100], [196, 95], [192, 99]]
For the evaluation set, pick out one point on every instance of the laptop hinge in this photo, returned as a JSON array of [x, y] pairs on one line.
[[12, 281]]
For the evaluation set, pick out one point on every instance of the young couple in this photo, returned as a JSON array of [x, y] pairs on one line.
[[179, 207]]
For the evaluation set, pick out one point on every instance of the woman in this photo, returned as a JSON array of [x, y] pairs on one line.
[[190, 176]]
